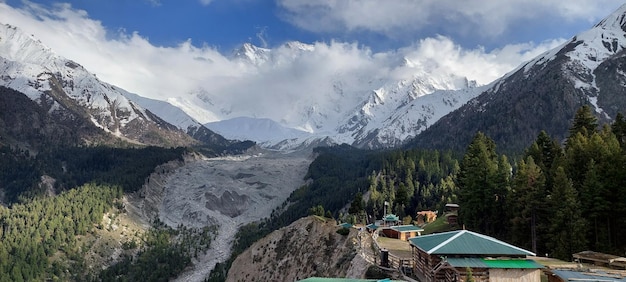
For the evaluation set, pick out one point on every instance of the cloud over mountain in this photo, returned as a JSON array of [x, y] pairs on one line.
[[131, 61]]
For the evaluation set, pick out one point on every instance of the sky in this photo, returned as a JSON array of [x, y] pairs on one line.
[[135, 43]]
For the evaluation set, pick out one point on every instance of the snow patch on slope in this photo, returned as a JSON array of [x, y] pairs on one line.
[[30, 67]]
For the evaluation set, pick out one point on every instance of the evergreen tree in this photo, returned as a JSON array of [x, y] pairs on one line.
[[584, 122], [357, 204], [619, 129], [528, 206], [567, 226], [480, 191], [597, 206], [545, 151]]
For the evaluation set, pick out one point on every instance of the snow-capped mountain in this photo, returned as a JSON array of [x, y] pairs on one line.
[[397, 112], [358, 108], [544, 93], [35, 70]]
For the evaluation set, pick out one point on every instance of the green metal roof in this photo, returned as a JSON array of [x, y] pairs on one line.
[[372, 226], [391, 217], [345, 225], [464, 242], [493, 263], [427, 242], [511, 263], [407, 228]]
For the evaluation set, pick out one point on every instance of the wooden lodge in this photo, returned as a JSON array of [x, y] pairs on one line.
[[448, 256], [403, 232]]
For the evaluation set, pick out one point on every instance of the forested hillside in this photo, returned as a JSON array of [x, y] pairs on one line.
[[35, 232], [53, 205], [21, 172]]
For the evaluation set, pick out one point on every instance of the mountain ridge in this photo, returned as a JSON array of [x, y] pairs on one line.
[[544, 93], [65, 88]]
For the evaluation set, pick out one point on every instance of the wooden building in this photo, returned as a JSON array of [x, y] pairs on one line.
[[403, 232], [448, 256], [601, 259]]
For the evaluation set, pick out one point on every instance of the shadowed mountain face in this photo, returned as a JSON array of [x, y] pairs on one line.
[[543, 94], [24, 122], [71, 106]]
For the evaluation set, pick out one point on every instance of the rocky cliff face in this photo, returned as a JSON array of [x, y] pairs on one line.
[[308, 247]]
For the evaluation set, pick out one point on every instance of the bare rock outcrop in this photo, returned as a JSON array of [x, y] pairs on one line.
[[308, 247]]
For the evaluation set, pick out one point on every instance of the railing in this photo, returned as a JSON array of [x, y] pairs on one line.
[[403, 265]]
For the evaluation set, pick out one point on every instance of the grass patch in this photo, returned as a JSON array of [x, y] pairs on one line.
[[439, 225], [396, 247]]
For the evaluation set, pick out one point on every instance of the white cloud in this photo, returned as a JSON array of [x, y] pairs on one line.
[[155, 3], [485, 18], [272, 90], [205, 2]]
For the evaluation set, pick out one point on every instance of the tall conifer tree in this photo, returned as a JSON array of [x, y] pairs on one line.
[[567, 226]]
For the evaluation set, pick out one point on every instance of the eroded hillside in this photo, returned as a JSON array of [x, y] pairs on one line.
[[308, 247]]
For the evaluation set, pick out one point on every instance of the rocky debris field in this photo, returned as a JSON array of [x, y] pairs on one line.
[[225, 191]]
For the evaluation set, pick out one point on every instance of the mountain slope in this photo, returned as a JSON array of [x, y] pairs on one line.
[[544, 93], [66, 91], [180, 119], [22, 120]]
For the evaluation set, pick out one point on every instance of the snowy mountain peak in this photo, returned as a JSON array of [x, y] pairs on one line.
[[615, 20], [252, 54], [605, 39], [297, 45], [15, 45]]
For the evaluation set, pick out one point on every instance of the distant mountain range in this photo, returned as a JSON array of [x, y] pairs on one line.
[[366, 112], [422, 108]]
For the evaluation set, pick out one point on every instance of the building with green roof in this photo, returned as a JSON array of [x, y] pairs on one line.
[[447, 256], [372, 227], [390, 219], [345, 225]]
